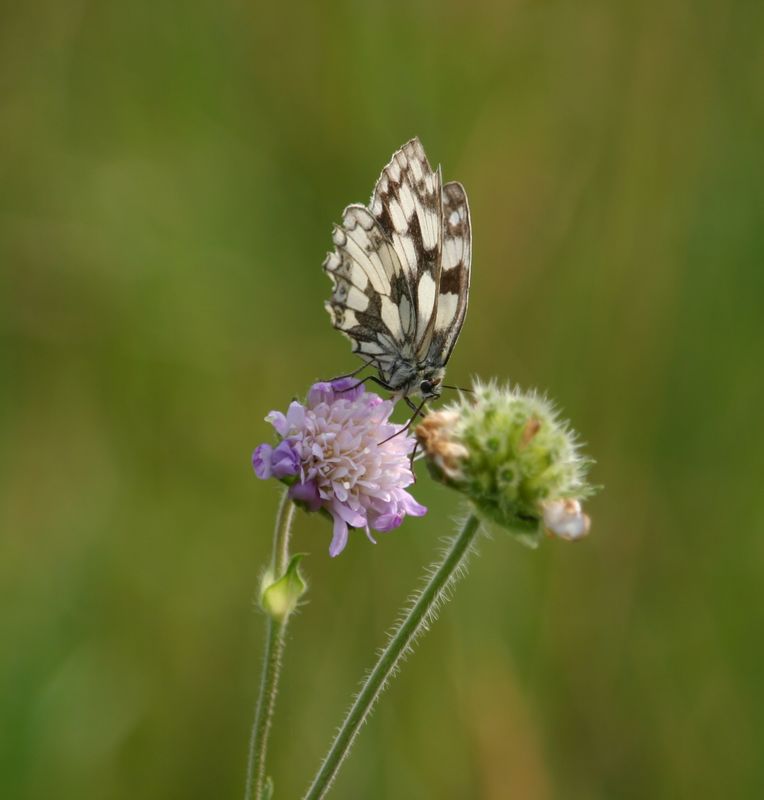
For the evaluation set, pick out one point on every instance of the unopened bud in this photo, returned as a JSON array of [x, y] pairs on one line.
[[279, 597], [564, 518]]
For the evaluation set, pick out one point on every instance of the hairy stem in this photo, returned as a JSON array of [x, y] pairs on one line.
[[416, 619], [274, 649]]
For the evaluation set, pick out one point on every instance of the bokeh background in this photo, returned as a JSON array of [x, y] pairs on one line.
[[168, 177]]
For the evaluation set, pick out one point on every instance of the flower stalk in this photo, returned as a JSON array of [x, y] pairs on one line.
[[421, 613], [258, 787]]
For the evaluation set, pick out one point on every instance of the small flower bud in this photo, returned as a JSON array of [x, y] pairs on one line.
[[565, 519], [512, 456], [279, 597]]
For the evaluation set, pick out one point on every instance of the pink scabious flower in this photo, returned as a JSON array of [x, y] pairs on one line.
[[335, 454]]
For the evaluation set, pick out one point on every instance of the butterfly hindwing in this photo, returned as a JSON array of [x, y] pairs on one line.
[[454, 285]]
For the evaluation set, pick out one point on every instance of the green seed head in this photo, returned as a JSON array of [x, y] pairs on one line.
[[512, 456]]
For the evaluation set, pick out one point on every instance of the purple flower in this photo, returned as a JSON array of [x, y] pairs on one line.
[[332, 451]]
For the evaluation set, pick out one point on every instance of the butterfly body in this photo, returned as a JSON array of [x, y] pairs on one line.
[[401, 274], [409, 377]]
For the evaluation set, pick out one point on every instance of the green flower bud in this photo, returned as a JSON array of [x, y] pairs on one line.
[[512, 456], [279, 597]]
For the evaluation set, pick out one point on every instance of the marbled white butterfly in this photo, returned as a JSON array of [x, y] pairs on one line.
[[401, 274]]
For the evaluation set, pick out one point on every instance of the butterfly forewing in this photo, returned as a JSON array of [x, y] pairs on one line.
[[401, 271], [407, 203]]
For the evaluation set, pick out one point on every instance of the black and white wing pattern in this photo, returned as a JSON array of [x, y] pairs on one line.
[[401, 273], [454, 282]]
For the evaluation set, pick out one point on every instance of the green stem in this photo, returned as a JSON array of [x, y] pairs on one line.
[[421, 613], [274, 648]]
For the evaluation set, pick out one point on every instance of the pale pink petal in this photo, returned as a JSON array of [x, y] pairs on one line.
[[339, 537], [295, 416], [320, 393], [278, 420], [387, 522], [351, 517]]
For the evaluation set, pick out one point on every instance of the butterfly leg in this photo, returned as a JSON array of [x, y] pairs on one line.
[[417, 412], [349, 374], [372, 378], [411, 460], [412, 405]]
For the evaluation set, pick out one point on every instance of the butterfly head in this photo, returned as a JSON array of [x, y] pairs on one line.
[[429, 385]]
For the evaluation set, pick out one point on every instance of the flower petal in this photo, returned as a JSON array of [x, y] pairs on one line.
[[261, 461], [347, 388], [388, 522], [340, 492], [278, 420], [295, 416], [306, 493], [320, 393], [339, 537], [284, 460], [353, 518], [410, 506]]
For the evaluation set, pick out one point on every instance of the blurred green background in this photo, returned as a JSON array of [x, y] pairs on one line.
[[169, 174]]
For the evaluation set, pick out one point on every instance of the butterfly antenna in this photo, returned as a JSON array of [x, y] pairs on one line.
[[458, 388]]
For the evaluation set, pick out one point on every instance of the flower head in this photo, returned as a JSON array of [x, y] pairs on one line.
[[509, 452], [336, 455]]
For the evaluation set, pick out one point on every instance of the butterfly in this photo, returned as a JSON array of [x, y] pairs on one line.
[[401, 274]]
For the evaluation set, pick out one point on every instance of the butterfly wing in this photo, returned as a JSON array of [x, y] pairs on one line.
[[401, 268], [407, 203], [455, 268], [371, 303]]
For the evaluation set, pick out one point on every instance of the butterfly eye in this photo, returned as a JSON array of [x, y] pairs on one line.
[[425, 387]]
